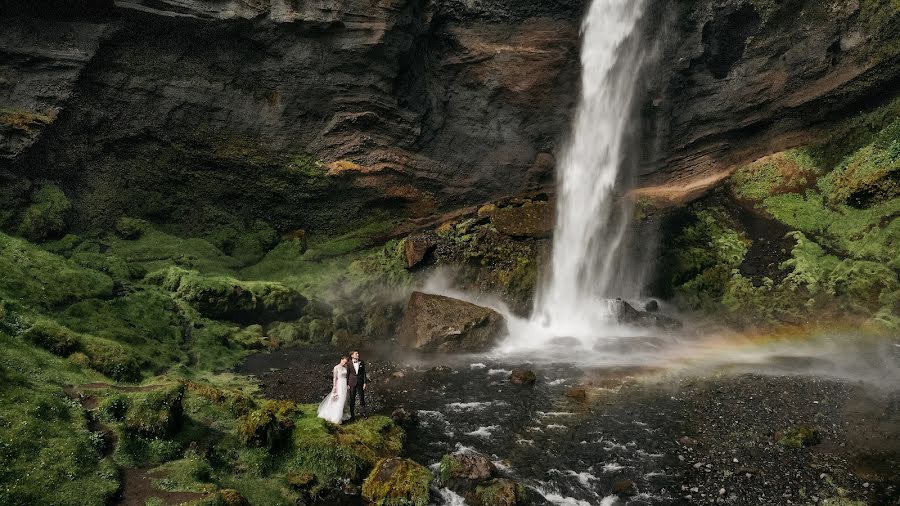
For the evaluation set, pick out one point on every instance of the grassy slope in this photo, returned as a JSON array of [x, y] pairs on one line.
[[79, 310]]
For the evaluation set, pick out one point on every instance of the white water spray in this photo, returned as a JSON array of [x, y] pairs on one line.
[[591, 223]]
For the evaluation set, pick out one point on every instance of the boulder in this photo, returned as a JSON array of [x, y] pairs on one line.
[[461, 472], [577, 393], [498, 492], [626, 314], [438, 323], [531, 219], [396, 481], [525, 377], [623, 487], [417, 246], [405, 418]]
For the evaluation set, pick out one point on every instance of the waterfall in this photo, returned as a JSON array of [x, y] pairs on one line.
[[587, 267]]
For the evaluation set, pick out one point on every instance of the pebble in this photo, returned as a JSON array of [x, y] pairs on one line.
[[721, 491]]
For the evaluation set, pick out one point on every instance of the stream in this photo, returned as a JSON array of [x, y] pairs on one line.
[[670, 431]]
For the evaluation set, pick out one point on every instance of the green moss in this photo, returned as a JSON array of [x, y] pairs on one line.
[[268, 425], [46, 446], [397, 482], [869, 175], [147, 321], [189, 474], [375, 438], [706, 255], [156, 412], [449, 467], [499, 492], [41, 279], [52, 337], [774, 174], [872, 233], [46, 216], [222, 297], [800, 437], [247, 245], [130, 228], [111, 359], [155, 250]]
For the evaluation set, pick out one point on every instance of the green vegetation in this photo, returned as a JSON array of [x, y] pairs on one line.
[[838, 204], [50, 454], [397, 482], [106, 367], [799, 437]]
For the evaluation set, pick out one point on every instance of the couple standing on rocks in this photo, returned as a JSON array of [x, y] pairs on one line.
[[348, 377]]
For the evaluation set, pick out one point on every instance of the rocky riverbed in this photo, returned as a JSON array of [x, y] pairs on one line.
[[771, 433]]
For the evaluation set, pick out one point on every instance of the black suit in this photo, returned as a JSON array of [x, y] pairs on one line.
[[356, 381]]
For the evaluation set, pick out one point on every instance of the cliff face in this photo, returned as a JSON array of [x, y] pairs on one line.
[[741, 79], [414, 105], [199, 113]]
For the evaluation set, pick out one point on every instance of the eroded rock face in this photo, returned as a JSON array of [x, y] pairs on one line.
[[438, 323], [194, 112], [737, 79]]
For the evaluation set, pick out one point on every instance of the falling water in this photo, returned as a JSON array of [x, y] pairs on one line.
[[586, 267]]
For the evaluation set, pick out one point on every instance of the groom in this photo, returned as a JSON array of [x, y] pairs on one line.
[[357, 383]]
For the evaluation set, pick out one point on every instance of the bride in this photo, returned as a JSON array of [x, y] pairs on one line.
[[332, 406]]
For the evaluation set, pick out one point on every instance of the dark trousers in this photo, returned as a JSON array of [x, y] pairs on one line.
[[354, 390]]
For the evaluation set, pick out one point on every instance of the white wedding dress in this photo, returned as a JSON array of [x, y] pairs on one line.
[[332, 407]]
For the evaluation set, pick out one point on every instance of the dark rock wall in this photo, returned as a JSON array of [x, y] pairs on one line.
[[310, 115], [739, 79]]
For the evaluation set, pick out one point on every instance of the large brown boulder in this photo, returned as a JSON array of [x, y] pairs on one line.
[[531, 219], [438, 323], [461, 472]]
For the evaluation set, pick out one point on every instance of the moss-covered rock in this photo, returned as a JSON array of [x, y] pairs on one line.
[[462, 471], [112, 359], [53, 337], [531, 219], [799, 437], [397, 482], [438, 323], [268, 425], [498, 492], [130, 228], [155, 412], [46, 216], [222, 297]]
